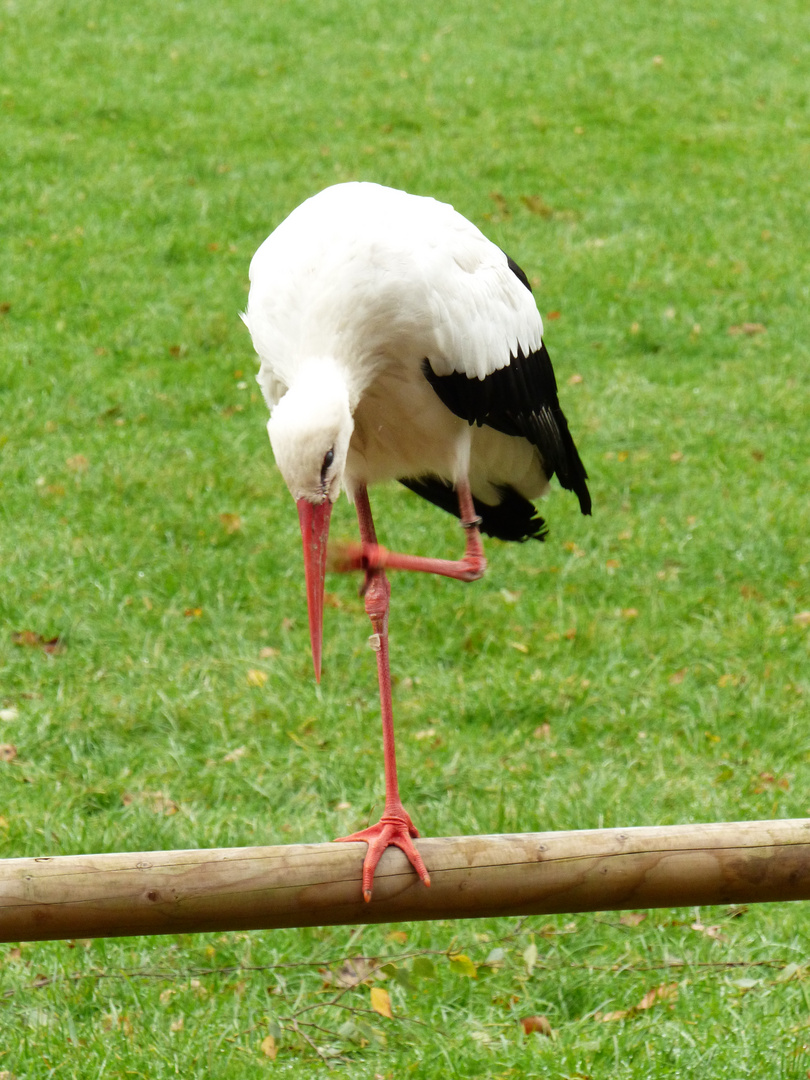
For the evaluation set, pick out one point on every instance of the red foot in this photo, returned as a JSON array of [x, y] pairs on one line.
[[372, 557], [393, 828]]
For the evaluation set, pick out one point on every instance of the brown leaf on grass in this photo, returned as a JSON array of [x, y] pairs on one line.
[[747, 328], [769, 781], [352, 972], [157, 801], [575, 380], [748, 592], [193, 612], [535, 205], [268, 1047], [500, 203], [632, 918], [231, 523], [255, 677], [78, 463], [543, 731], [665, 992], [29, 639], [538, 1025], [713, 932], [802, 618], [8, 751], [629, 613], [678, 676]]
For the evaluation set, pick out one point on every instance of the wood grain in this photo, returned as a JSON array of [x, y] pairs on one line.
[[169, 892]]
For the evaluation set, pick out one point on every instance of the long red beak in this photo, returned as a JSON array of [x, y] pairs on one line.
[[315, 533]]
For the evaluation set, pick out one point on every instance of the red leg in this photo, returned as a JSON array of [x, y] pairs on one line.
[[395, 825], [371, 556]]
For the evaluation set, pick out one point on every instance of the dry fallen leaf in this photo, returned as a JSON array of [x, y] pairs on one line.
[[268, 1047], [665, 992], [530, 956], [747, 328], [255, 677], [381, 1001], [8, 751], [535, 205], [678, 676], [193, 612], [632, 918], [31, 640], [575, 380], [630, 613], [713, 932], [231, 523], [78, 463], [802, 618], [617, 1014], [538, 1024]]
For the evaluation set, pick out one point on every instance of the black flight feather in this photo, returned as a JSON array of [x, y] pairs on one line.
[[513, 518], [520, 399]]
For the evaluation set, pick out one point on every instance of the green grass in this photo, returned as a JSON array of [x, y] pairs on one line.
[[647, 166]]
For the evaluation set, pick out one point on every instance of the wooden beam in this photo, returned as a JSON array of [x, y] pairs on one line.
[[170, 892]]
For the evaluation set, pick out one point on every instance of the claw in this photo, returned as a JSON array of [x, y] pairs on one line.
[[392, 829]]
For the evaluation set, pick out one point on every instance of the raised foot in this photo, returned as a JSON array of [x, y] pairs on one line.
[[346, 557], [392, 828]]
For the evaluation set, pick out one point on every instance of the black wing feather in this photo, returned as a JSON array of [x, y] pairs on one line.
[[513, 518], [519, 400]]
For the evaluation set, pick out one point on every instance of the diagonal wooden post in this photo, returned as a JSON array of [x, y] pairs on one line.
[[168, 892]]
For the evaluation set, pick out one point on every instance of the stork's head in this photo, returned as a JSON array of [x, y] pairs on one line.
[[310, 429]]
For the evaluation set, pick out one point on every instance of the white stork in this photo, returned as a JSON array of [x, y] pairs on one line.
[[397, 342]]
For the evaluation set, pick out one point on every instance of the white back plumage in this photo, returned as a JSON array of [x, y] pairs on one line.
[[370, 275]]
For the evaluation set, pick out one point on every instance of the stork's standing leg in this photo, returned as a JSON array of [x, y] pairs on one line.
[[395, 825], [371, 556]]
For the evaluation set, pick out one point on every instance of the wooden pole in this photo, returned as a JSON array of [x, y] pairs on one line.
[[169, 892]]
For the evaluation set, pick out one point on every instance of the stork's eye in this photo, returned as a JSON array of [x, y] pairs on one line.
[[327, 463]]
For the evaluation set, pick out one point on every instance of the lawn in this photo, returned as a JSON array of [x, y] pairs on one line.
[[647, 166]]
